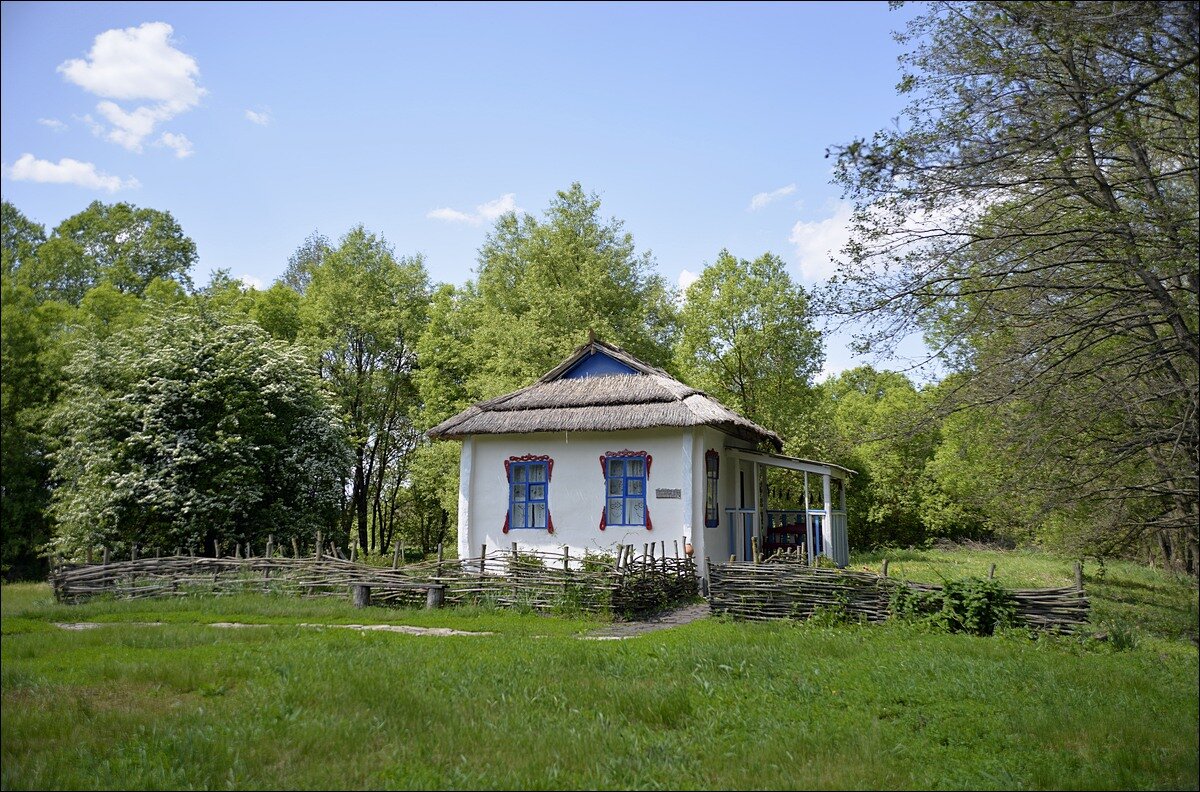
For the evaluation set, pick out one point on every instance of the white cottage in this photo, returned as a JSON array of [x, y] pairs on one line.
[[606, 450]]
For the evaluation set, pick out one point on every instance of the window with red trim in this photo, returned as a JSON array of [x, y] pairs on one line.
[[528, 493], [626, 479]]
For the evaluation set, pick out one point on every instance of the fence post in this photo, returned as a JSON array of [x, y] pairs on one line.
[[354, 552], [89, 555], [362, 595], [992, 572], [133, 552], [1079, 575], [883, 572], [482, 556], [319, 548], [295, 548], [396, 556], [435, 596], [566, 558], [270, 545]]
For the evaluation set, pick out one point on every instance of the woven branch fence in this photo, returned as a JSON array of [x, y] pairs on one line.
[[625, 583], [789, 589]]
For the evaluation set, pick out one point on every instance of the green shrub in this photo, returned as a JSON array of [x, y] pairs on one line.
[[972, 605]]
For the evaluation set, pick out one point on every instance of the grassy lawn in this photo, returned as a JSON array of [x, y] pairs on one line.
[[713, 704]]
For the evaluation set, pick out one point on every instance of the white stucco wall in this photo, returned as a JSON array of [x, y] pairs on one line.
[[577, 490]]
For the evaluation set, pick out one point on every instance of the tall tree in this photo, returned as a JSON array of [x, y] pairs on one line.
[[1036, 216], [118, 244], [20, 238], [542, 284], [362, 314], [747, 338], [305, 260]]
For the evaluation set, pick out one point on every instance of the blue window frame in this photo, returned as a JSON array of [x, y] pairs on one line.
[[625, 482], [529, 495]]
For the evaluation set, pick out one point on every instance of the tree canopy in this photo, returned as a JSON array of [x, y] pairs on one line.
[[1035, 215], [747, 338]]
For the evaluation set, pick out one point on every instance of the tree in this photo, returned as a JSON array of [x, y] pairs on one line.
[[747, 339], [542, 284], [1036, 217], [118, 244], [19, 240], [362, 314], [183, 430], [304, 261]]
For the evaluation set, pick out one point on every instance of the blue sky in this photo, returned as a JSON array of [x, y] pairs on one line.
[[701, 126]]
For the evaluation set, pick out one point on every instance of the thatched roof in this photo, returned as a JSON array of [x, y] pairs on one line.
[[649, 398]]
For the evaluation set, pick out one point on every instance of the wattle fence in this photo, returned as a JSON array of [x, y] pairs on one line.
[[789, 589], [625, 584]]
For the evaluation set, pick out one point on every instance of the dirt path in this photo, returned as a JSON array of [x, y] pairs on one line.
[[396, 628], [622, 630], [618, 631]]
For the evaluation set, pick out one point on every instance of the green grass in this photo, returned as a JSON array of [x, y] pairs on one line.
[[713, 704]]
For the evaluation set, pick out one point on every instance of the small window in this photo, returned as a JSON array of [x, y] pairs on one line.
[[528, 493], [712, 462], [625, 486]]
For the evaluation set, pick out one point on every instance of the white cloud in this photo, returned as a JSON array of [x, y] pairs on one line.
[[255, 117], [450, 215], [53, 123], [763, 198], [180, 143], [502, 205], [251, 282], [66, 171], [487, 211], [137, 63], [96, 128], [818, 242], [687, 278]]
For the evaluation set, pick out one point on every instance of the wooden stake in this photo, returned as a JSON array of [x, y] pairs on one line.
[[396, 556], [566, 558], [482, 556], [992, 572], [319, 546], [883, 570], [295, 548], [1079, 575]]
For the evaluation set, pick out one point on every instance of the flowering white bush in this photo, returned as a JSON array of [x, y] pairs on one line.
[[184, 430]]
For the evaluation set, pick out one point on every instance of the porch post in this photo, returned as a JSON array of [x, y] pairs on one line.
[[808, 532], [827, 523], [757, 527]]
